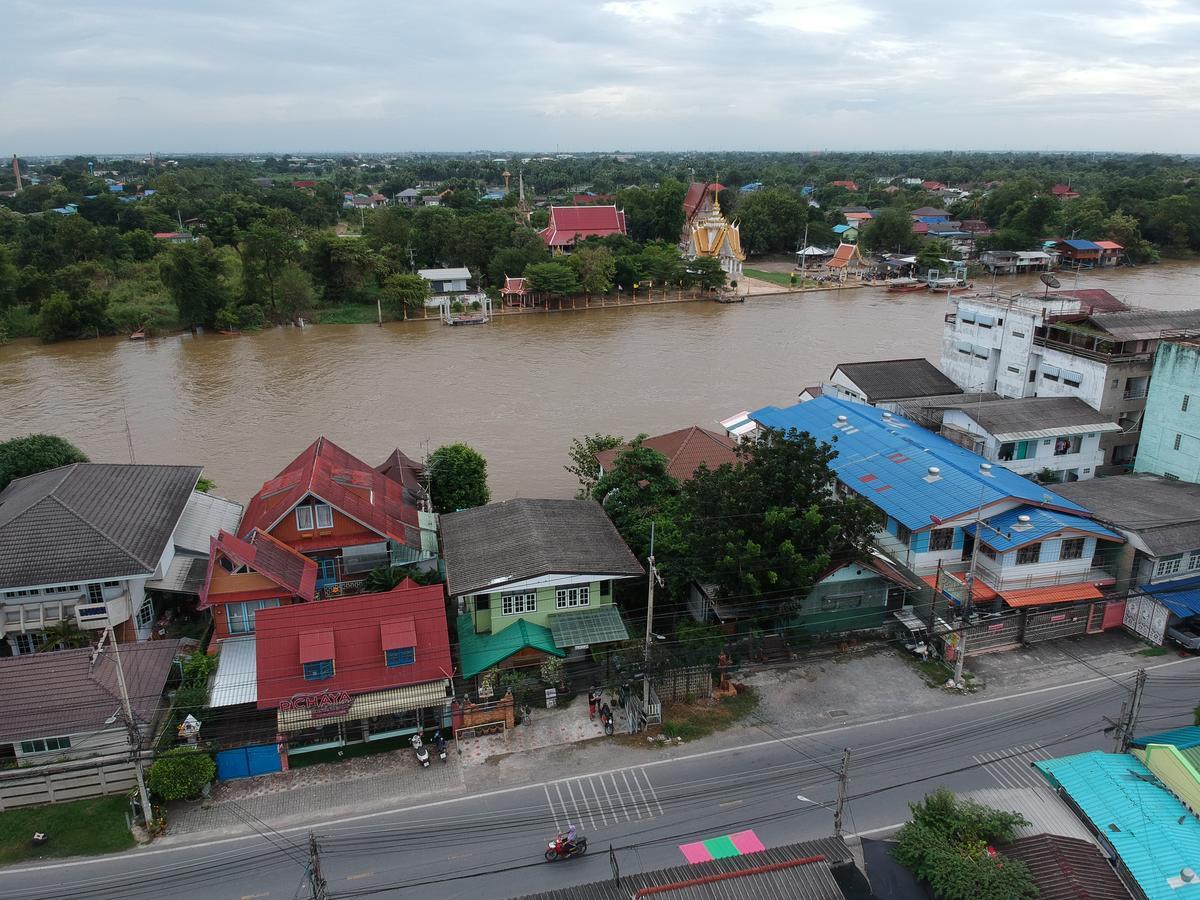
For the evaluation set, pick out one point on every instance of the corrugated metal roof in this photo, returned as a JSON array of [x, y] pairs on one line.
[[1183, 738], [749, 875], [1030, 417], [236, 681], [1180, 597], [1045, 810], [1042, 523], [185, 575], [460, 274], [1154, 834], [202, 518], [1163, 513]]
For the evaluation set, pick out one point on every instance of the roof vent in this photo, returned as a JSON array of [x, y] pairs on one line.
[[887, 416], [1023, 523], [935, 474], [985, 469], [1187, 874]]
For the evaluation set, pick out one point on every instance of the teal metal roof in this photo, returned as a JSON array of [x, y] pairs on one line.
[[1182, 738], [478, 652], [1155, 835]]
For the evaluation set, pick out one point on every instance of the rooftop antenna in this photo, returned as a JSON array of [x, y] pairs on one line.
[[1049, 281]]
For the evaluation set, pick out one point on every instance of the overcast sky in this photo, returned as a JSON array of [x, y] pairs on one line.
[[261, 75]]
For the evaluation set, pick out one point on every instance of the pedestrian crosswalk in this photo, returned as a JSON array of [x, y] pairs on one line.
[[1012, 768], [608, 799]]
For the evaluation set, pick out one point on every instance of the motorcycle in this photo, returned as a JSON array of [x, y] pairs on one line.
[[560, 848], [422, 753], [606, 718], [440, 743]]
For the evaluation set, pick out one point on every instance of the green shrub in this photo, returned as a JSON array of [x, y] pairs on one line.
[[198, 668], [251, 317], [181, 774]]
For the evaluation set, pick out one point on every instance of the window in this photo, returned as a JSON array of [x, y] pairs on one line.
[[1064, 446], [841, 601], [1007, 450], [1073, 379], [401, 656], [903, 534], [606, 589], [112, 584], [963, 347], [28, 643], [1033, 376], [570, 597], [482, 602], [1015, 370], [304, 518], [240, 616], [941, 539], [43, 745], [1168, 565], [318, 671], [145, 613], [1184, 405], [1018, 334], [1194, 560], [987, 551], [1050, 373], [1072, 548], [516, 604], [95, 593], [1178, 440], [1027, 556], [64, 589], [324, 515]]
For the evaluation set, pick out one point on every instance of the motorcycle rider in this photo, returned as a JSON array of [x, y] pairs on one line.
[[566, 843]]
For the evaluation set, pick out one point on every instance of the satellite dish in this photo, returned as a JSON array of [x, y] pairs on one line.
[[1049, 280]]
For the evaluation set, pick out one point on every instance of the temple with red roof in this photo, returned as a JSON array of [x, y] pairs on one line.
[[569, 224], [698, 203], [345, 515], [364, 668]]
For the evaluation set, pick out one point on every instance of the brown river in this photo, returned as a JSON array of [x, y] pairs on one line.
[[518, 390]]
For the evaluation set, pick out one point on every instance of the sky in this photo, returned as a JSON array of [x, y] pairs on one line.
[[255, 76]]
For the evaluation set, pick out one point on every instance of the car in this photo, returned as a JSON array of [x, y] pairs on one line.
[[1186, 634]]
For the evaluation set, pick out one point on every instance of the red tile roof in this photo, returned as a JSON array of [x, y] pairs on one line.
[[1097, 299], [920, 228], [569, 223], [684, 449], [274, 560], [843, 255], [359, 627], [328, 472], [933, 185], [1108, 245], [696, 193], [304, 184], [513, 286]]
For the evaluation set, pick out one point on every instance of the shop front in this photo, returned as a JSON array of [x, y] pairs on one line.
[[335, 718]]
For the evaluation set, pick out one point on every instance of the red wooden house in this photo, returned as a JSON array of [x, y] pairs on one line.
[[346, 516], [571, 223], [246, 576]]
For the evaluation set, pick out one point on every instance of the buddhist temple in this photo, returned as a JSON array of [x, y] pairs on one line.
[[712, 235]]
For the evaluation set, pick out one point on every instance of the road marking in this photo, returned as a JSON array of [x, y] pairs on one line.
[[653, 792], [731, 803], [638, 781], [256, 896], [596, 795], [579, 815], [880, 830], [620, 801], [637, 809], [608, 800], [549, 802], [688, 757], [362, 875]]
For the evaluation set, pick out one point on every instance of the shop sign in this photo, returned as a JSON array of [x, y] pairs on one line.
[[322, 705]]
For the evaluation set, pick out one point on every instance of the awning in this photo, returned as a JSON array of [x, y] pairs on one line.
[[1059, 593], [316, 646], [366, 706], [185, 575], [982, 592], [587, 626], [1180, 597], [397, 634]]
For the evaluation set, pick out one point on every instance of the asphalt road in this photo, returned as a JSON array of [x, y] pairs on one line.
[[781, 786]]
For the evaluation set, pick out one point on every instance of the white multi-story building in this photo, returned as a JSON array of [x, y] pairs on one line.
[[1083, 344]]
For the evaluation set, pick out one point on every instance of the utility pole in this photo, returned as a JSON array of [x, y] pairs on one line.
[[135, 735], [649, 625], [843, 780], [1130, 710], [316, 880]]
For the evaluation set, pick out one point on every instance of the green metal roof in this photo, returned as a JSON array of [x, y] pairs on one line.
[[1153, 833], [587, 626], [478, 652]]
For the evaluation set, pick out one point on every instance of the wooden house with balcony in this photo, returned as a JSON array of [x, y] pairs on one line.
[[346, 516], [84, 544]]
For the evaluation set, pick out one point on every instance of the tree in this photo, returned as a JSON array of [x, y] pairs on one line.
[[583, 459], [772, 220], [704, 272], [295, 292], [267, 249], [552, 278], [594, 267], [181, 774], [661, 263], [35, 453], [766, 526], [193, 275], [932, 253], [64, 634], [889, 232], [403, 293], [946, 844], [458, 478]]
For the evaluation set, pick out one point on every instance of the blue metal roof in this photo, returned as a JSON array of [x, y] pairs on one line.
[[1182, 738], [1042, 523], [1154, 834], [887, 461], [841, 229], [751, 187], [1082, 245], [1180, 597]]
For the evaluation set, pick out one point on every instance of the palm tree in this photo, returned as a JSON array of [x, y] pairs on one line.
[[64, 635]]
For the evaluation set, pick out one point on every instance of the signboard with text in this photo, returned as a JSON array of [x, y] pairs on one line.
[[320, 706]]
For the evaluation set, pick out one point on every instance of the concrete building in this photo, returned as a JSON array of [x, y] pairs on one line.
[[1170, 444], [888, 381], [447, 281], [1084, 344]]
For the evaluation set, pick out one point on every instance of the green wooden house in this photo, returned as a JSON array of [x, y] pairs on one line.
[[532, 579]]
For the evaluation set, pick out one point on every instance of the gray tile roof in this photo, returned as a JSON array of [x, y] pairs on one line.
[[1146, 324], [1162, 512], [897, 379], [89, 521], [749, 875], [1065, 415], [64, 692], [492, 545]]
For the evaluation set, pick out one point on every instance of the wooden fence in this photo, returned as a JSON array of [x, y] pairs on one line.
[[65, 781]]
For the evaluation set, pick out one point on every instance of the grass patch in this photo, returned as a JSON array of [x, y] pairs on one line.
[[17, 322], [80, 828], [1153, 651], [350, 314], [701, 718], [783, 279]]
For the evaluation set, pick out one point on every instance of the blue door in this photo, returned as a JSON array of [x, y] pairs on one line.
[[246, 762], [326, 572]]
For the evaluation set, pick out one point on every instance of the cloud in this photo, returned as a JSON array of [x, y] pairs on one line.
[[134, 75]]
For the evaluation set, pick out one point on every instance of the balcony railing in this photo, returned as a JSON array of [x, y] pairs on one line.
[[1135, 394], [1088, 353]]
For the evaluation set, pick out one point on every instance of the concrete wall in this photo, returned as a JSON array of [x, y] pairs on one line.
[[1176, 376], [58, 784]]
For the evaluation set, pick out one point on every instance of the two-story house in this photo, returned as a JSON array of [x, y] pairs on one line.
[[1053, 438], [1083, 344], [1170, 444], [532, 579], [80, 543], [1159, 565], [347, 517]]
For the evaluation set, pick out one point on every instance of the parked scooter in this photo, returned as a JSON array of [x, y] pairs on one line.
[[606, 718], [440, 743], [422, 752]]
